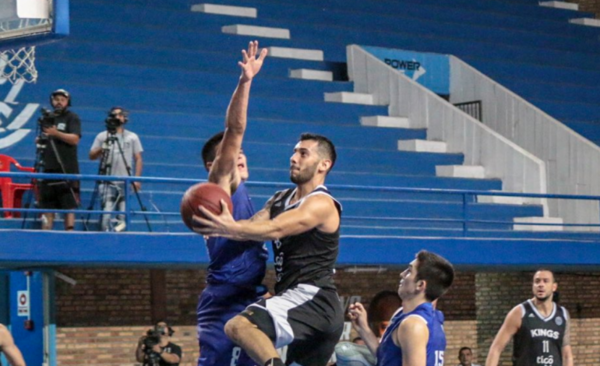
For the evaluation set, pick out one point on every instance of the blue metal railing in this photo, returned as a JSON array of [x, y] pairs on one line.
[[467, 197]]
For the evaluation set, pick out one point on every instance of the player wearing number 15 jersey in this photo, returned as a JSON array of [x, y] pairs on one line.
[[415, 335], [539, 326]]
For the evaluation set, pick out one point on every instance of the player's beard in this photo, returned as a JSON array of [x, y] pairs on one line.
[[305, 175], [542, 299]]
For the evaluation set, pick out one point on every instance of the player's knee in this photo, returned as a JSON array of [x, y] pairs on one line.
[[234, 327]]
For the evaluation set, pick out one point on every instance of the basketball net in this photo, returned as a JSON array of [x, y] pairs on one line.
[[18, 65]]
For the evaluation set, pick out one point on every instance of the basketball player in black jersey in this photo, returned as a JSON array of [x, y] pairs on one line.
[[304, 225], [539, 326]]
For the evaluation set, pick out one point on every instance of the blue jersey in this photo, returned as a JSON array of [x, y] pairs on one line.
[[242, 264], [388, 354]]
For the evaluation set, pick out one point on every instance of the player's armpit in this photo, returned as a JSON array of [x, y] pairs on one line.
[[223, 173], [412, 336]]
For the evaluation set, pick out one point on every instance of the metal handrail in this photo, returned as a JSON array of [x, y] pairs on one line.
[[467, 196]]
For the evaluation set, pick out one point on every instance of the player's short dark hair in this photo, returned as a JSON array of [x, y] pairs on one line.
[[546, 270], [325, 146], [462, 349], [209, 150], [436, 271]]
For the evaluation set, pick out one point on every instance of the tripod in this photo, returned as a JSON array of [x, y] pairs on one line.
[[42, 142], [110, 190]]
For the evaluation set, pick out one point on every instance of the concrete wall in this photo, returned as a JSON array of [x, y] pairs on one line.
[[519, 170], [572, 162]]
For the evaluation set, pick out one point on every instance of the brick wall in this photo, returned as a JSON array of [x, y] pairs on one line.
[[102, 317], [588, 5]]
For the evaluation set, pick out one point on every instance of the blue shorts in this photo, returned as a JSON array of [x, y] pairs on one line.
[[216, 305]]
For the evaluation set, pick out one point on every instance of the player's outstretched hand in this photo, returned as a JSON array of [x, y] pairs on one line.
[[215, 225], [251, 64]]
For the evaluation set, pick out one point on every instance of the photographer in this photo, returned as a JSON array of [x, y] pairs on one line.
[[155, 347], [117, 148], [57, 144]]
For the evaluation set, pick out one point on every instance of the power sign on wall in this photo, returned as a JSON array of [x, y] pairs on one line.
[[431, 70]]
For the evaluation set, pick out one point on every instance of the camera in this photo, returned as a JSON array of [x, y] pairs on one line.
[[112, 123], [47, 119], [151, 340]]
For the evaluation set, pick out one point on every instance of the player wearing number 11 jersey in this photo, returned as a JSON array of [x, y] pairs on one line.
[[540, 329]]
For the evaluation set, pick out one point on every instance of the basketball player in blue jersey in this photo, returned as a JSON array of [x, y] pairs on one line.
[[236, 269], [415, 335], [540, 327], [303, 223]]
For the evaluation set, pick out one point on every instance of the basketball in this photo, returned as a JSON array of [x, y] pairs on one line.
[[208, 195]]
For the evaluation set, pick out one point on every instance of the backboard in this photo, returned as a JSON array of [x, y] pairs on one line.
[[29, 22], [24, 24]]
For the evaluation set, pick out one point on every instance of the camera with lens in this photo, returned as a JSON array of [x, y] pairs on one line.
[[152, 339], [112, 123], [47, 119]]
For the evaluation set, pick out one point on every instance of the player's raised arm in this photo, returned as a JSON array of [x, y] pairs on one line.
[[509, 328], [223, 171]]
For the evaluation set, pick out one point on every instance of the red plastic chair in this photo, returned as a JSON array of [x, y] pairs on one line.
[[12, 193]]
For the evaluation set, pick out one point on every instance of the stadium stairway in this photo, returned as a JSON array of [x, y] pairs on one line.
[[175, 69], [533, 50]]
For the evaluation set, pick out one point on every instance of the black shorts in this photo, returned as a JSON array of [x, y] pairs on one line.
[[58, 194], [306, 318]]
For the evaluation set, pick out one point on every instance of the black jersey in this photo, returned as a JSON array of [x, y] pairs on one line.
[[66, 122], [308, 257], [539, 340]]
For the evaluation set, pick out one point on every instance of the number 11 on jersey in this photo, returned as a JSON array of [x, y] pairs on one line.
[[546, 346]]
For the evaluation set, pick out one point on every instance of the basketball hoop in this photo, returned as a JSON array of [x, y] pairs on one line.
[[18, 65]]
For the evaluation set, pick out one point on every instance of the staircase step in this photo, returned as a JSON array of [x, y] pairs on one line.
[[238, 11], [296, 53], [422, 146], [560, 5], [590, 22], [460, 171], [502, 200], [385, 121], [350, 98], [252, 30], [308, 74], [521, 223]]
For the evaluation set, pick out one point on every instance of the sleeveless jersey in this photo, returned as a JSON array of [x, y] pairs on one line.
[[242, 264], [388, 354], [539, 340], [308, 257]]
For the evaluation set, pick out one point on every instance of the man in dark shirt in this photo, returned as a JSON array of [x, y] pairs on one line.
[[165, 352], [62, 133], [540, 328]]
